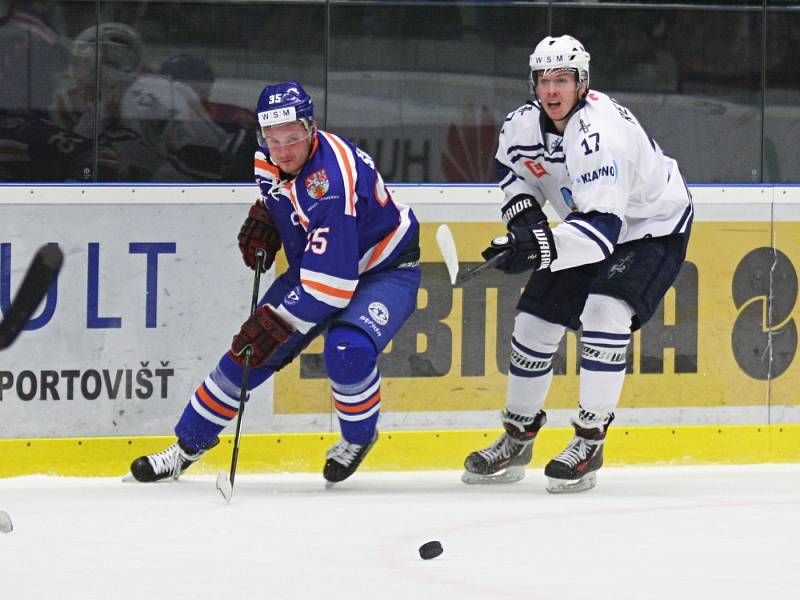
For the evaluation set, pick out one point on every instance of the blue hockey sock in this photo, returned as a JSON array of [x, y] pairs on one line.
[[351, 364], [215, 403]]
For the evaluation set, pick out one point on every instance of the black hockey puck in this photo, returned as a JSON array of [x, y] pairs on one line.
[[430, 550]]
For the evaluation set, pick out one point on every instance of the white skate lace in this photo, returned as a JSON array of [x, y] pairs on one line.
[[505, 447], [344, 452], [169, 460], [575, 452]]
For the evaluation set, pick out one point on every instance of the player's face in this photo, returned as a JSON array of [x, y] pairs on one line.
[[558, 92], [288, 145]]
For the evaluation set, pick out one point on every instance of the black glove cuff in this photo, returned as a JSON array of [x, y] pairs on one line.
[[547, 247], [522, 210]]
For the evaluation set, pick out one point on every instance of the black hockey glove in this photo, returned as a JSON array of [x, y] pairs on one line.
[[521, 210], [532, 249]]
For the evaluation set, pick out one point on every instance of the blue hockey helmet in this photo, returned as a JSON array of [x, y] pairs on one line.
[[284, 103]]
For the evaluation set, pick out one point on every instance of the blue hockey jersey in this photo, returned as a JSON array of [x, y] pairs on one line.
[[337, 221]]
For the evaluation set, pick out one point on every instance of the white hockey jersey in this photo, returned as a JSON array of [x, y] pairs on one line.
[[604, 164]]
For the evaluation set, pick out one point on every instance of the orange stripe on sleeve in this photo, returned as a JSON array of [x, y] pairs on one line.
[[331, 291]]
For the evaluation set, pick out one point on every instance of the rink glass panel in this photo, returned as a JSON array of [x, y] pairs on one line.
[[424, 86]]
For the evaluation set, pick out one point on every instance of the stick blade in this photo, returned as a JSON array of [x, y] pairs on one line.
[[38, 279], [447, 247], [224, 486]]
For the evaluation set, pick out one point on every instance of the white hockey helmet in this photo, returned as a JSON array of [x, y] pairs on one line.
[[119, 46], [556, 53]]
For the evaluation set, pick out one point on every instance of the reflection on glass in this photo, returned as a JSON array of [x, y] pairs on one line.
[[424, 86], [32, 52]]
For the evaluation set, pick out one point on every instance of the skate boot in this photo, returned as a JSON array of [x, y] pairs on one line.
[[343, 459], [574, 469], [506, 459], [169, 463]]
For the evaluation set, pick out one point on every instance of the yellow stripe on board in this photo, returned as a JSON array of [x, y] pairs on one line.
[[405, 450]]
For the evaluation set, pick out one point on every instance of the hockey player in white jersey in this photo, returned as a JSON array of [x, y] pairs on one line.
[[353, 274], [625, 215]]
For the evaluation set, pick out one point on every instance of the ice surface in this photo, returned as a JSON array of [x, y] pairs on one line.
[[661, 533]]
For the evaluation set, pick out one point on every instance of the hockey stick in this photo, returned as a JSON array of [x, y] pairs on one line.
[[40, 276], [225, 481], [447, 247]]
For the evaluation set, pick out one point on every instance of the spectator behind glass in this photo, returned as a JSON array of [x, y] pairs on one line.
[[32, 53], [237, 121], [159, 126]]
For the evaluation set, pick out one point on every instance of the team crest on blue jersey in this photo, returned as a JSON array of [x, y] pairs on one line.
[[317, 184], [293, 297], [379, 312]]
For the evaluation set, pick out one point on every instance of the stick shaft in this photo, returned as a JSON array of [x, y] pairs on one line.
[[472, 273], [248, 353]]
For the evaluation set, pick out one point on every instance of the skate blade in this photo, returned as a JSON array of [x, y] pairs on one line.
[[507, 475], [330, 484], [224, 486], [569, 486], [129, 478], [6, 526]]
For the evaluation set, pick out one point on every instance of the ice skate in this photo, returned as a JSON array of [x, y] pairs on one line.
[[169, 463], [574, 470], [506, 459], [343, 459]]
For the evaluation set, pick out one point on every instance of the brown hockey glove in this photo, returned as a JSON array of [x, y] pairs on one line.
[[259, 232], [264, 331]]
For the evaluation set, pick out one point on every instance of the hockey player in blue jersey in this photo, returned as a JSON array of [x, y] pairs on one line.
[[625, 220], [353, 274]]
